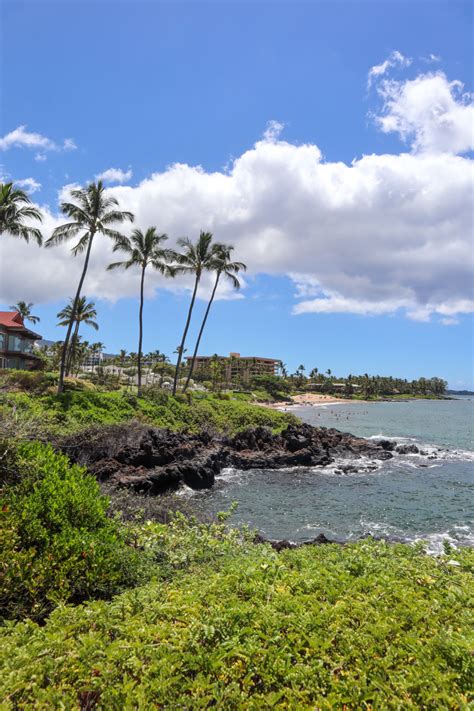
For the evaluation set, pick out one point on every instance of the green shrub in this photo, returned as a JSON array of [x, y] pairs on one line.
[[74, 410], [57, 543], [24, 380], [239, 626], [155, 394]]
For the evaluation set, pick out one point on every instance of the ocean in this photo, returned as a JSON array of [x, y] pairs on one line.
[[428, 497]]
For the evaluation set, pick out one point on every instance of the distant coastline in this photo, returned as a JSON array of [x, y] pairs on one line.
[[319, 399]]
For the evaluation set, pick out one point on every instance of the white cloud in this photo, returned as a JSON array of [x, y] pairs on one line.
[[69, 145], [395, 59], [273, 131], [22, 138], [386, 234], [29, 184], [429, 111], [431, 58], [115, 175]]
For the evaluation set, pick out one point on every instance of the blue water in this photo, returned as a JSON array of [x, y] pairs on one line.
[[412, 497]]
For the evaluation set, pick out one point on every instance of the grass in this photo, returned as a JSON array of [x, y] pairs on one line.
[[238, 626]]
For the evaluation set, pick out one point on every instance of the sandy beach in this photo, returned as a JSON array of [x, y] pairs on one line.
[[307, 399], [316, 399]]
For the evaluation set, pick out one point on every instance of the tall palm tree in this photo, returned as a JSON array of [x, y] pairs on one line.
[[144, 249], [85, 313], [223, 267], [91, 213], [195, 259], [24, 309], [15, 208]]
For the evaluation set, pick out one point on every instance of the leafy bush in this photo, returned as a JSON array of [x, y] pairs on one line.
[[24, 380], [238, 626], [72, 411], [155, 394], [56, 541], [81, 384]]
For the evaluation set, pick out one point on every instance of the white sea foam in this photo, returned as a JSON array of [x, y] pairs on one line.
[[458, 535], [361, 465]]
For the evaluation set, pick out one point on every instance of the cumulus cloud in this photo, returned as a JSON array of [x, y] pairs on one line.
[[395, 59], [20, 137], [385, 234], [115, 175], [429, 111], [29, 184]]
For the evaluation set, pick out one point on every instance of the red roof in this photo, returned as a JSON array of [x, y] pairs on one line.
[[12, 319]]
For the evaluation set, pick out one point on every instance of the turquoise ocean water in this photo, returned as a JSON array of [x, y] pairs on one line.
[[410, 497]]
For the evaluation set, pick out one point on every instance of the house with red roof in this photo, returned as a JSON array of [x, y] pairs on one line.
[[16, 343]]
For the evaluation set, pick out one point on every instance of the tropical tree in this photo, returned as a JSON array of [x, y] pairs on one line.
[[24, 309], [15, 208], [85, 313], [122, 357], [223, 267], [143, 249], [195, 259], [92, 212]]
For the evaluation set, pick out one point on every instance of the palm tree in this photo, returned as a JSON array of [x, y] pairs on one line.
[[85, 313], [143, 250], [122, 357], [24, 309], [91, 213], [15, 208], [195, 259], [223, 267]]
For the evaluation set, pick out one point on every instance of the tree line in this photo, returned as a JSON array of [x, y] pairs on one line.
[[91, 212], [366, 386]]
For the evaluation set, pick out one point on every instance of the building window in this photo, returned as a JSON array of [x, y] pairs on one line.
[[3, 340], [20, 345]]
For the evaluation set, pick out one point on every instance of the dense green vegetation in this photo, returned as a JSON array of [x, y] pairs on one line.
[[43, 413], [57, 543], [96, 613], [236, 625]]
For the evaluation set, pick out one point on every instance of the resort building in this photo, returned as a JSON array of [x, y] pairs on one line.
[[17, 342], [234, 367], [93, 360]]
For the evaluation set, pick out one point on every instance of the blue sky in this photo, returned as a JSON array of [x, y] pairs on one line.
[[142, 86]]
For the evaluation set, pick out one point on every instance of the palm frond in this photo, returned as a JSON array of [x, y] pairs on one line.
[[81, 245], [122, 244], [26, 233], [126, 265], [64, 232], [117, 216]]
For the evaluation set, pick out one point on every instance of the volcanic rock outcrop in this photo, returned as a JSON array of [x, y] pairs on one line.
[[154, 461]]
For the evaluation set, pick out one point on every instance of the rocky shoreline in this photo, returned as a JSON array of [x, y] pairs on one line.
[[156, 461]]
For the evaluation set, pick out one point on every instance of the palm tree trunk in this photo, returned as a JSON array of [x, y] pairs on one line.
[[140, 334], [191, 369], [183, 341], [71, 350], [73, 316]]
